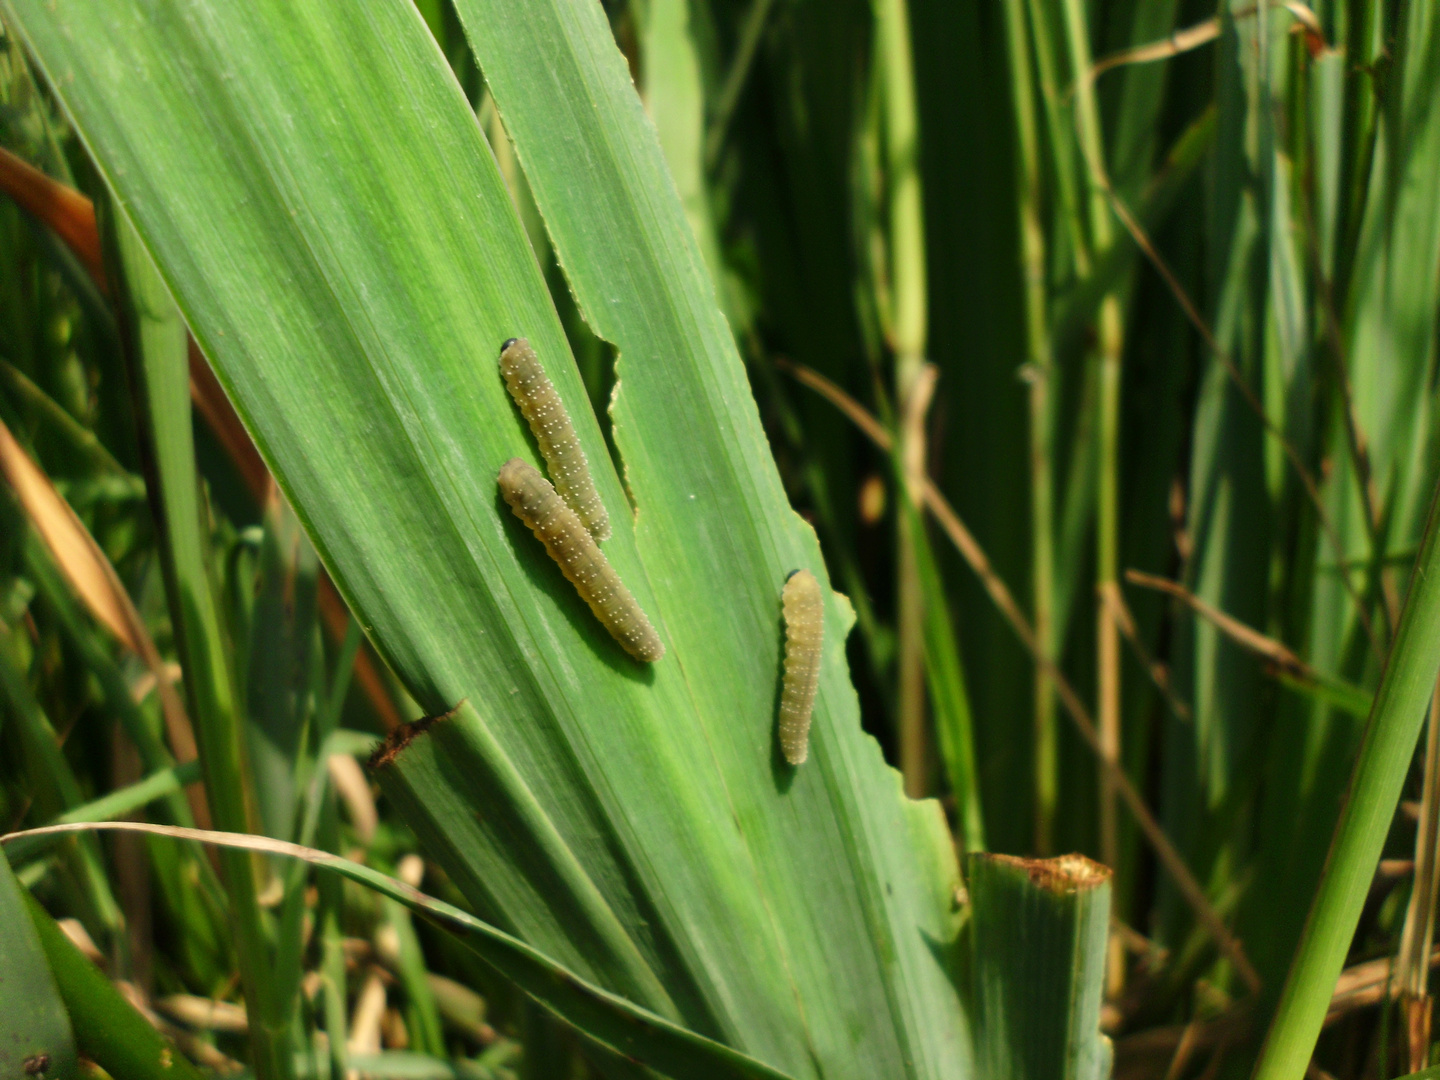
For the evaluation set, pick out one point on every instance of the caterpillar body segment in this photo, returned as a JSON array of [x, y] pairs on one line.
[[804, 607], [570, 544], [545, 412]]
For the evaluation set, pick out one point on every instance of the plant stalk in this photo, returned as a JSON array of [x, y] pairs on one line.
[[1038, 373], [1107, 510], [1384, 761], [156, 354], [1412, 965], [908, 338]]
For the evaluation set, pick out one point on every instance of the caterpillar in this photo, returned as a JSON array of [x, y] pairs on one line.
[[558, 527], [804, 608], [545, 412]]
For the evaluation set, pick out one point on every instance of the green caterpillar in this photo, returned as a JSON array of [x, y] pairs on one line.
[[558, 527], [542, 408], [804, 606]]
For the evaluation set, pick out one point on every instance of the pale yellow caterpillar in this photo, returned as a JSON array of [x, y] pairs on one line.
[[804, 608], [569, 544], [542, 408]]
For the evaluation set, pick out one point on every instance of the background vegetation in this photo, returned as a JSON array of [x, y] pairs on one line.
[[1097, 343]]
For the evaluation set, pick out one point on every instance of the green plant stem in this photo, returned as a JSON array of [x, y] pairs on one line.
[[945, 677], [157, 357], [1062, 141], [1107, 510], [1038, 374], [908, 337], [1385, 754]]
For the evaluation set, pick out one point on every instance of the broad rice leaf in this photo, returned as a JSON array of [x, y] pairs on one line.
[[324, 207]]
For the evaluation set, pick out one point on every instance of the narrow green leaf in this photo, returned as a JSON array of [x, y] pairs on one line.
[[108, 1029], [158, 346], [945, 676], [51, 778], [1385, 754], [35, 1036], [120, 802]]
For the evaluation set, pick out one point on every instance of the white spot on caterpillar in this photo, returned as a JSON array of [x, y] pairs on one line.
[[804, 607], [545, 412], [558, 527]]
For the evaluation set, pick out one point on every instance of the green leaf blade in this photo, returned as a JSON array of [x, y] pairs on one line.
[[331, 222]]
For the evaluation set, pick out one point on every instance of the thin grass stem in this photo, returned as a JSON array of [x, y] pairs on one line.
[[1111, 342], [906, 240], [1039, 374], [1418, 933]]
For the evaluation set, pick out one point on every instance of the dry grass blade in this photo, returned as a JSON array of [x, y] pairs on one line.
[[612, 1020], [1367, 983], [75, 550], [1181, 41], [1183, 1050], [1251, 640], [1202, 33], [1159, 674], [914, 749], [1148, 1053], [1000, 593], [1418, 933]]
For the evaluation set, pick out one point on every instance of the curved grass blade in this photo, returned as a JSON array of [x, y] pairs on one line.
[[615, 1023]]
